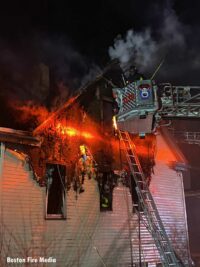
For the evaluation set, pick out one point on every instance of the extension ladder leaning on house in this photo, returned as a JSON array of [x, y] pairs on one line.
[[151, 217]]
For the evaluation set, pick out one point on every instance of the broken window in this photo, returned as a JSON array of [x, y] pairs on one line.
[[55, 191]]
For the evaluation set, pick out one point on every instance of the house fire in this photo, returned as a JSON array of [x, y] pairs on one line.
[[50, 209]]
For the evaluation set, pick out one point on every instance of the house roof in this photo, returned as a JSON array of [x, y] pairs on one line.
[[108, 75], [19, 137]]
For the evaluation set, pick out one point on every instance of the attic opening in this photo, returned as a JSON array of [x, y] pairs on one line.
[[55, 191]]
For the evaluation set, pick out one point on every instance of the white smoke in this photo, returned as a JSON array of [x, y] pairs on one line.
[[144, 49], [138, 47]]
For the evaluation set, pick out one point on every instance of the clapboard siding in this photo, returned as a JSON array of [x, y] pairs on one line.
[[71, 238], [113, 232], [82, 240], [168, 192], [88, 237], [21, 207]]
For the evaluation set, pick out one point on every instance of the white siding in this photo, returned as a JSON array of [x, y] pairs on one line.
[[21, 208], [91, 238], [113, 234], [88, 237], [82, 240], [168, 192]]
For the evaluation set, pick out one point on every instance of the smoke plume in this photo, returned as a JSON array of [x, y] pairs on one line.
[[45, 70], [139, 47], [170, 40]]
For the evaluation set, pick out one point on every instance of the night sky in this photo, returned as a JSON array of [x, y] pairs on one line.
[[78, 39]]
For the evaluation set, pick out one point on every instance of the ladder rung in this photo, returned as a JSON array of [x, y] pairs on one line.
[[161, 231], [150, 214], [135, 164], [151, 210]]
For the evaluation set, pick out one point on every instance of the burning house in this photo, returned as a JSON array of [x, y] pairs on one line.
[[54, 212]]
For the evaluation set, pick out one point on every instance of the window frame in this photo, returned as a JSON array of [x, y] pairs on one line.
[[63, 214]]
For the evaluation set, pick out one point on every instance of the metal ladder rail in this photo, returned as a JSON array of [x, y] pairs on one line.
[[140, 182], [155, 225]]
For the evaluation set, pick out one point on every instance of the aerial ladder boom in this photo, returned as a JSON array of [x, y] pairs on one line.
[[149, 212]]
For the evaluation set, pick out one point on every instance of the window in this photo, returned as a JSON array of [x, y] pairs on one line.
[[55, 191], [106, 186]]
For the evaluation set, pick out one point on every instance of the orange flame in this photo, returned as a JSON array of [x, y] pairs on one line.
[[114, 122], [72, 132], [54, 114], [87, 135], [29, 111]]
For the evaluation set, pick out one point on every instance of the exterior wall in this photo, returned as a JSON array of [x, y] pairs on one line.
[[88, 237], [136, 125], [168, 192], [21, 202], [113, 233], [117, 232]]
